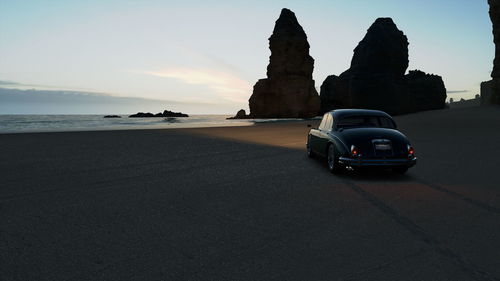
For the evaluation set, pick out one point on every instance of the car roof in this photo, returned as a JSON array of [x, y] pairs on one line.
[[342, 113]]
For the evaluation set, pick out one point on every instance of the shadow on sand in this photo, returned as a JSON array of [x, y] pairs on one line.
[[366, 174]]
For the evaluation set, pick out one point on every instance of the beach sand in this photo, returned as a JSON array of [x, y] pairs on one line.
[[245, 203]]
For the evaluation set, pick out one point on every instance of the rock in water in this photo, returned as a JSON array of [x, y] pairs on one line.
[[241, 114], [288, 90], [376, 77], [495, 74], [142, 115], [166, 113]]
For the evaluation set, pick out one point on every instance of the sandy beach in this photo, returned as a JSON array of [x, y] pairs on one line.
[[245, 203]]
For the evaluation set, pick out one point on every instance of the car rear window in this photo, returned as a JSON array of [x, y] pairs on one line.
[[366, 121]]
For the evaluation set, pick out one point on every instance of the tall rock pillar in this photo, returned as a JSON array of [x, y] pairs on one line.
[[288, 91]]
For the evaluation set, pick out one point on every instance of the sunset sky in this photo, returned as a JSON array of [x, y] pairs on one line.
[[205, 56]]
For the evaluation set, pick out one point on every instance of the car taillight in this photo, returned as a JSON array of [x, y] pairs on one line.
[[411, 151], [354, 151]]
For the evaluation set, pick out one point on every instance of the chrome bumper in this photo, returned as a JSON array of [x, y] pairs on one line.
[[358, 162]]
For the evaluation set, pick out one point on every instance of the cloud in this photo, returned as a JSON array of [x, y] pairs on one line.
[[211, 59], [62, 97], [20, 85], [16, 101], [457, 92], [9, 83], [225, 84]]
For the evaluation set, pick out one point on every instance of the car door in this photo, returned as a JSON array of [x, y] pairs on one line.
[[334, 136], [316, 135], [324, 134]]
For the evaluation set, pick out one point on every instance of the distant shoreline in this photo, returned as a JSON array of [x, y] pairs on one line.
[[55, 123]]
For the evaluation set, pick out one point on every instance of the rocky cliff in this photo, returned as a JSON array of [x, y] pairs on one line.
[[495, 74], [288, 90], [376, 78]]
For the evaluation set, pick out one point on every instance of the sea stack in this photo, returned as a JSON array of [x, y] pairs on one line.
[[288, 91], [377, 80], [495, 74], [486, 88], [426, 91]]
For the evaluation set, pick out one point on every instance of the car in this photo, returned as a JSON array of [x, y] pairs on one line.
[[356, 138]]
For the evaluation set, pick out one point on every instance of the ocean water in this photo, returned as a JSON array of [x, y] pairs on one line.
[[60, 123]]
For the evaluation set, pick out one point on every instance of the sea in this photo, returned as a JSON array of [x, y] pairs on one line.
[[62, 123]]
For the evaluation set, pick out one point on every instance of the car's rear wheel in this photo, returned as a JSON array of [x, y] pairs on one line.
[[332, 160], [310, 152], [400, 170]]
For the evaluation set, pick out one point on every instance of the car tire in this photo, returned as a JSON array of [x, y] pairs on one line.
[[310, 152], [400, 170], [332, 160]]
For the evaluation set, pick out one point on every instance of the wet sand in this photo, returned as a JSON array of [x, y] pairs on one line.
[[245, 203]]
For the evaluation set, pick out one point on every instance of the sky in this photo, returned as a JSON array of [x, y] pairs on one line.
[[203, 57]]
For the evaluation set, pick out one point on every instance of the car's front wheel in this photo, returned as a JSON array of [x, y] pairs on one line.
[[331, 158]]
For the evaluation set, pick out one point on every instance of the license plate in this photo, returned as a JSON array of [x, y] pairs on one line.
[[382, 146]]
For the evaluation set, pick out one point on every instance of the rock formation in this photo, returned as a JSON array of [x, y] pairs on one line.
[[376, 78], [495, 74], [288, 90], [331, 98], [486, 88], [166, 113], [241, 114], [426, 91], [383, 51]]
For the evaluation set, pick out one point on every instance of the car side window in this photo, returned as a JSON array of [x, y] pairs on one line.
[[323, 122], [329, 122]]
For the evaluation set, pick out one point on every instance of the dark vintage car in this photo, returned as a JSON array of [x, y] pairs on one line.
[[360, 138]]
